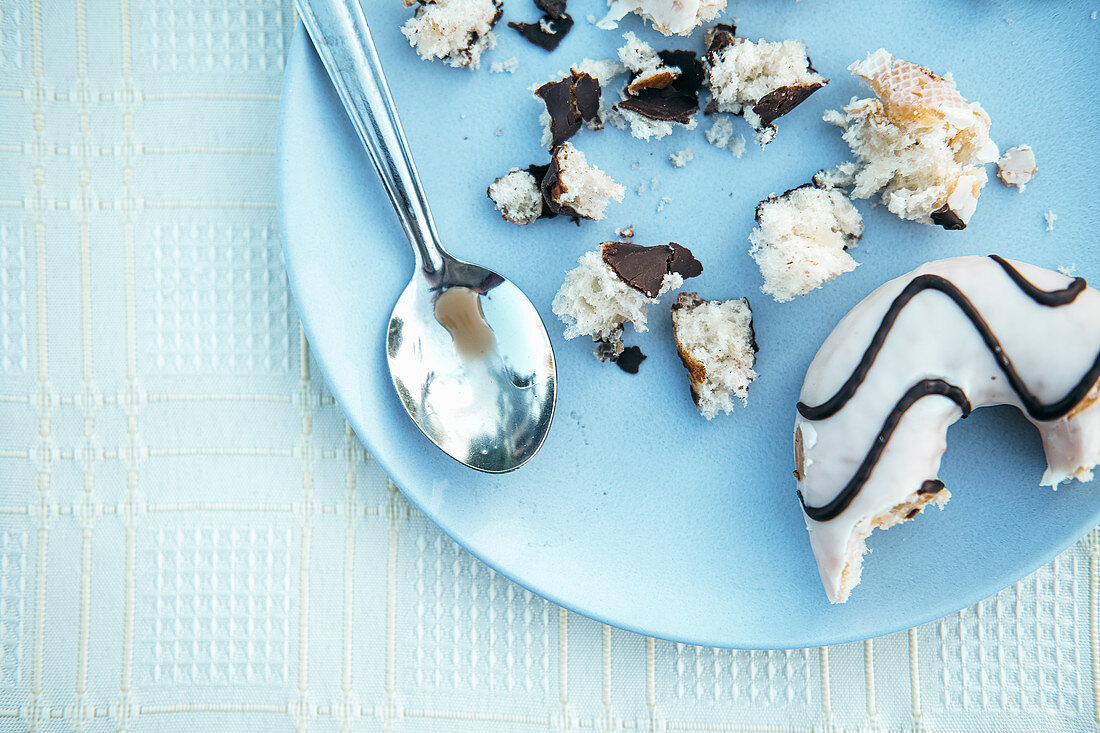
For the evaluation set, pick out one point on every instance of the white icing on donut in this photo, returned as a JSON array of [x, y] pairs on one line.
[[1051, 348]]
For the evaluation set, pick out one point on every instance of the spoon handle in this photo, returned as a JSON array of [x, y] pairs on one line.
[[343, 41]]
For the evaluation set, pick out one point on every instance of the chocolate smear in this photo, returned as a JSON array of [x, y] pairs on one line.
[[570, 102], [548, 32], [931, 486], [947, 219], [631, 358], [645, 268], [779, 102]]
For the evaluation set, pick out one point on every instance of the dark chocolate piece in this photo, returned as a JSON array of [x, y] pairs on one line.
[[645, 268], [718, 37], [912, 513], [655, 105], [553, 8], [662, 97], [536, 32], [779, 102], [570, 102], [631, 358], [947, 219], [931, 486]]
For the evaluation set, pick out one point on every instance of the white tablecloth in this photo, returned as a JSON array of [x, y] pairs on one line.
[[190, 535]]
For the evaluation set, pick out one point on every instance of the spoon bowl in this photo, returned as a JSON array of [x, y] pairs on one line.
[[467, 352], [479, 380]]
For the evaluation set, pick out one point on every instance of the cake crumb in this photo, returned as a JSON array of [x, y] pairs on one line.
[[1050, 217], [1017, 166], [665, 201], [591, 19], [635, 165], [640, 189], [759, 81], [508, 66], [517, 197], [653, 183], [454, 31], [1093, 16], [717, 346], [1068, 270], [801, 240], [1009, 20], [720, 135], [681, 157], [499, 131], [626, 232]]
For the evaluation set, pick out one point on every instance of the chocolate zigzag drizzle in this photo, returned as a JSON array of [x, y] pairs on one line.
[[921, 389], [1036, 409]]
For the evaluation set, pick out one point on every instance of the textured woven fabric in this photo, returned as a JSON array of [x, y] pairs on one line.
[[191, 538]]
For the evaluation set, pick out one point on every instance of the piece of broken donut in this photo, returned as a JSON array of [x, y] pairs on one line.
[[760, 81], [567, 185], [614, 286], [454, 31], [663, 89], [717, 345], [920, 147]]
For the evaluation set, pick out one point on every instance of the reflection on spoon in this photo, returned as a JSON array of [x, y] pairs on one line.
[[458, 309]]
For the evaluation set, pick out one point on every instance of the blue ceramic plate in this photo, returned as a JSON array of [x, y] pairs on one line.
[[638, 512]]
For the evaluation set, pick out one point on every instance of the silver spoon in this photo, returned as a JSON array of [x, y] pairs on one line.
[[467, 352]]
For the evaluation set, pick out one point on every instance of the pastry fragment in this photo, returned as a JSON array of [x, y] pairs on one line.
[[904, 364], [456, 31], [720, 134], [669, 17], [549, 31], [1017, 166], [920, 146], [716, 343], [801, 239], [517, 196], [574, 188], [663, 91], [760, 81], [614, 286], [680, 158], [570, 103]]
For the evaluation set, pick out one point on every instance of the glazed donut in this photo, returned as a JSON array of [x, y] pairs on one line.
[[913, 357]]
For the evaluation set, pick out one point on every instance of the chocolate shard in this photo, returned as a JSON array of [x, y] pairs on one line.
[[570, 103], [668, 97], [692, 75], [547, 33], [539, 173], [779, 102], [718, 37], [657, 105], [931, 486], [947, 219], [645, 268], [553, 8], [631, 358]]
